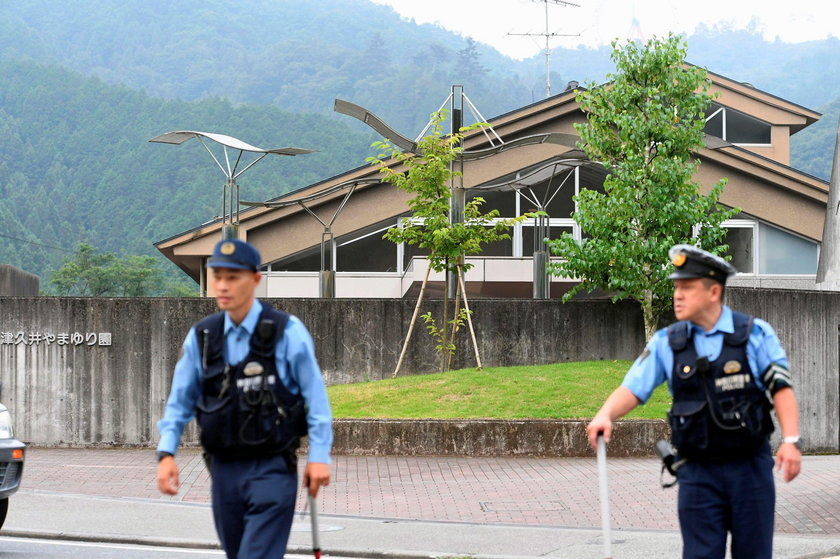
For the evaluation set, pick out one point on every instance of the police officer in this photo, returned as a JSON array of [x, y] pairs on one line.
[[723, 369], [250, 377]]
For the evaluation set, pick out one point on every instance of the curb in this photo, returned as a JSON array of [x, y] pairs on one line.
[[83, 537], [195, 544]]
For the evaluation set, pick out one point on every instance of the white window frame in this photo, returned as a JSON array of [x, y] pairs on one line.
[[724, 110], [743, 223]]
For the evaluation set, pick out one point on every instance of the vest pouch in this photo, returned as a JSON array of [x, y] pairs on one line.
[[258, 413], [214, 410], [689, 428], [275, 425]]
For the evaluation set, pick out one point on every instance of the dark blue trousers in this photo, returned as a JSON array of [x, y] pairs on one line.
[[736, 496], [253, 506]]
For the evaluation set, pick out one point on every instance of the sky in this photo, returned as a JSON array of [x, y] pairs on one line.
[[593, 23]]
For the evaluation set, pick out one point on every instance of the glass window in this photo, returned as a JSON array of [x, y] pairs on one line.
[[744, 129], [740, 241], [308, 260], [784, 253], [714, 122], [370, 253], [736, 127], [503, 201], [560, 203], [503, 247], [554, 232]]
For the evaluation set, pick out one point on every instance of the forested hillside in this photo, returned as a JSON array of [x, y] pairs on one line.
[[83, 86], [77, 165], [296, 55]]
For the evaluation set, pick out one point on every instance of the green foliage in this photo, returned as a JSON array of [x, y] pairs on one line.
[[445, 346], [89, 273], [525, 392], [298, 56], [428, 179], [644, 127], [812, 149], [77, 165]]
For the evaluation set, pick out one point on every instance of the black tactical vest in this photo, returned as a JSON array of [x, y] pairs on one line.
[[244, 409], [719, 411]]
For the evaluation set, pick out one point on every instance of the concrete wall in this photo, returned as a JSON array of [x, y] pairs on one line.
[[483, 437], [97, 371], [14, 281]]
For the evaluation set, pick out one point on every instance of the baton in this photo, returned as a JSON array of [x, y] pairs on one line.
[[605, 506], [313, 516]]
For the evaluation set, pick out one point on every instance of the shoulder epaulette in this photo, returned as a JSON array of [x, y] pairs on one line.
[[678, 335], [742, 326]]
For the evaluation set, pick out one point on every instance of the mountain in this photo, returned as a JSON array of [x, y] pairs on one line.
[[84, 85], [77, 165]]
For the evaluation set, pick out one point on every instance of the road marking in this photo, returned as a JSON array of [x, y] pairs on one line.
[[112, 545]]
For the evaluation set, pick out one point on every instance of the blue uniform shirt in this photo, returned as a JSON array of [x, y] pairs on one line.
[[655, 365], [301, 376]]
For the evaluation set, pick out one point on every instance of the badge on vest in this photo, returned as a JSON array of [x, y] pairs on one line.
[[737, 382], [253, 368], [686, 371], [732, 367]]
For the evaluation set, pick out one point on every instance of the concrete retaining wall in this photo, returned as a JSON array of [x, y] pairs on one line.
[[483, 437], [97, 370], [16, 282]]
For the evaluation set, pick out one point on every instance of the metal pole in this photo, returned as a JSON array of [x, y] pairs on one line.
[[457, 200], [542, 283], [326, 277], [316, 537], [547, 57], [605, 506]]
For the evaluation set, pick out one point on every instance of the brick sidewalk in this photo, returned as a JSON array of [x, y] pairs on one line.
[[559, 492]]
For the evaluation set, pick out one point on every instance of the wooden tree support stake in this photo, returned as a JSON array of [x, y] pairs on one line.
[[413, 321]]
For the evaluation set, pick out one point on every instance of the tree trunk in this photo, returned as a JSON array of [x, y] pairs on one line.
[[454, 325], [650, 317], [443, 327]]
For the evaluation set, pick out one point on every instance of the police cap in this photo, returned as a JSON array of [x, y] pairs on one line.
[[693, 262], [233, 253]]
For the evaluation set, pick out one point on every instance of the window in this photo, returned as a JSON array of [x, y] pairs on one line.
[[367, 252], [736, 127], [757, 247], [740, 236], [503, 201], [555, 229], [308, 260], [785, 253]]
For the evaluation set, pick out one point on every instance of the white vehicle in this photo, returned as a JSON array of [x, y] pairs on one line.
[[11, 462]]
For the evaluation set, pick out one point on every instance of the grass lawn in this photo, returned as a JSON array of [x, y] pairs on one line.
[[556, 391]]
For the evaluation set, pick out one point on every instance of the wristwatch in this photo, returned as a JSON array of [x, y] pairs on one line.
[[161, 454], [795, 440]]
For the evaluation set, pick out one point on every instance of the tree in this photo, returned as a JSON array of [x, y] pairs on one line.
[[106, 274], [643, 127], [468, 65], [428, 176]]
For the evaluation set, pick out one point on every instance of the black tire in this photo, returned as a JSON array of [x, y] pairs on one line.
[[4, 508]]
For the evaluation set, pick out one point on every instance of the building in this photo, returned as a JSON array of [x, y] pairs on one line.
[[775, 240]]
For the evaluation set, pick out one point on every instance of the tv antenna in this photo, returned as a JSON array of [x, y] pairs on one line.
[[548, 35]]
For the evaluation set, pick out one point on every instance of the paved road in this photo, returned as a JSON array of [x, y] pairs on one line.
[[33, 548], [505, 507]]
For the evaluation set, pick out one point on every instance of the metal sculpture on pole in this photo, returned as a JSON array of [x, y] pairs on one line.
[[326, 276], [230, 192]]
